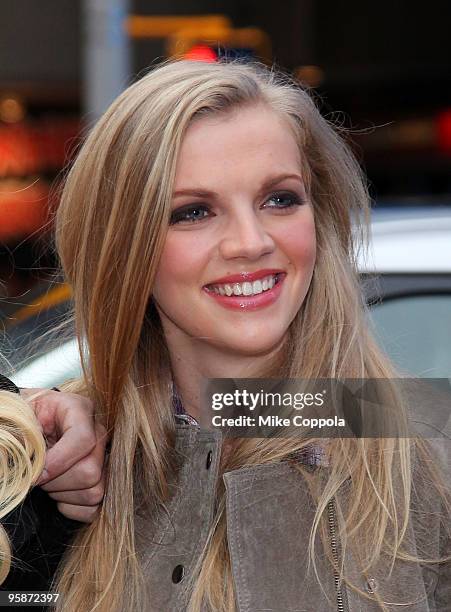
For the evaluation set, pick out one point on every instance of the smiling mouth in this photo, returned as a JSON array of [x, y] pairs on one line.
[[247, 289]]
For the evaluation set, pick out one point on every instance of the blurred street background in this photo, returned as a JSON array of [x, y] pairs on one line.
[[381, 69]]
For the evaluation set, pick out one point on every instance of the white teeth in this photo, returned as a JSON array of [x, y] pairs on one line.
[[257, 287], [246, 288]]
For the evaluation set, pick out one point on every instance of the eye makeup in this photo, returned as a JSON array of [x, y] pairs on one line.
[[195, 213]]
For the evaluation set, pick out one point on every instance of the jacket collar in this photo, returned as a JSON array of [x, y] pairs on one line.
[[313, 455]]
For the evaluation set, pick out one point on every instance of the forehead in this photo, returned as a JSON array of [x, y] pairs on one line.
[[248, 140]]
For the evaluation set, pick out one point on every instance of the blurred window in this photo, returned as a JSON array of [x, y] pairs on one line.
[[416, 332]]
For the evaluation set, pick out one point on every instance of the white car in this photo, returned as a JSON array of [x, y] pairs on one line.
[[406, 276]]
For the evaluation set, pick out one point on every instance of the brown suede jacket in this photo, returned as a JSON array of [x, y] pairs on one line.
[[269, 517]]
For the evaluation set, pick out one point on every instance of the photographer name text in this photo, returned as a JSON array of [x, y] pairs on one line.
[[275, 421]]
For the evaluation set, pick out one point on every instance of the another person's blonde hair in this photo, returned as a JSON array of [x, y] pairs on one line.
[[22, 456]]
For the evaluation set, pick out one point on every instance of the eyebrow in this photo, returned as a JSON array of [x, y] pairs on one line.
[[205, 193]]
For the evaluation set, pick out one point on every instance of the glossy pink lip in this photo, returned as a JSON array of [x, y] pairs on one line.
[[242, 277], [249, 302]]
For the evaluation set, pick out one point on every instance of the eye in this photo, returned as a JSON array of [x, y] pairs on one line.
[[284, 200], [189, 214]]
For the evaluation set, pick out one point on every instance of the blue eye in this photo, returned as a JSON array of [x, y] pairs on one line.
[[285, 200], [190, 214], [194, 213]]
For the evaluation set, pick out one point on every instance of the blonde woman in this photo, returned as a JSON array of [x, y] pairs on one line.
[[75, 446], [22, 456], [37, 447], [203, 180]]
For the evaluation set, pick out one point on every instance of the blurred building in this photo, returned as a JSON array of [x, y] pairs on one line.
[[381, 69]]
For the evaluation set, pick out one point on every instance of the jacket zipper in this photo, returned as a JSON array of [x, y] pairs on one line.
[[341, 602]]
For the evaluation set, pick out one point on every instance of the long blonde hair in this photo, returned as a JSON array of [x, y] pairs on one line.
[[110, 230], [22, 456]]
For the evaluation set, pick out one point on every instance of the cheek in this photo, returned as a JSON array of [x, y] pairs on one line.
[[300, 245], [182, 263]]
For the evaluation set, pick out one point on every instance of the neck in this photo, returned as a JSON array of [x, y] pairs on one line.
[[194, 361]]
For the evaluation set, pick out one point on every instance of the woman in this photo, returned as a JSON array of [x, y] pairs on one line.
[[22, 454], [205, 228], [39, 528]]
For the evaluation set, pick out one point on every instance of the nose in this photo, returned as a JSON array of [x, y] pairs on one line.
[[245, 236]]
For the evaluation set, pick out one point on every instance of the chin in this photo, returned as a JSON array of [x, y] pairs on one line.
[[252, 346]]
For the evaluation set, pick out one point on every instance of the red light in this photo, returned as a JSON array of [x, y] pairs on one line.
[[23, 209], [201, 53], [444, 130]]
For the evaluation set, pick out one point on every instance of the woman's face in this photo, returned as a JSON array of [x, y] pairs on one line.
[[241, 221]]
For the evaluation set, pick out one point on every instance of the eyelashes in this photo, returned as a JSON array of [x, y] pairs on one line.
[[195, 213], [189, 214], [292, 198]]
